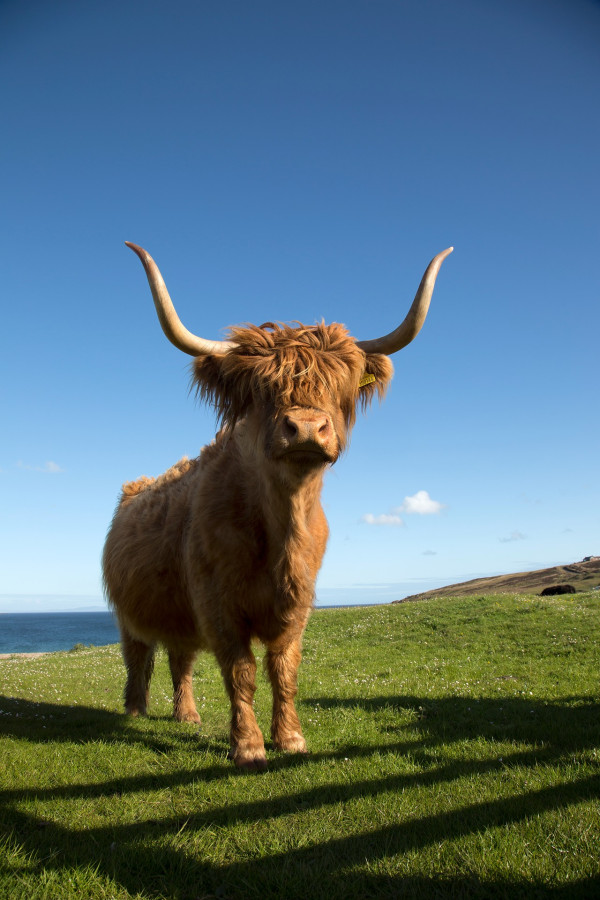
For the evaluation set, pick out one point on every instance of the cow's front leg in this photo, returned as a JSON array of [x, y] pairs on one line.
[[239, 673], [282, 666]]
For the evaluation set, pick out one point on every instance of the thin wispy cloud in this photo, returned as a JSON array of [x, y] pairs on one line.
[[513, 536], [383, 519], [49, 467]]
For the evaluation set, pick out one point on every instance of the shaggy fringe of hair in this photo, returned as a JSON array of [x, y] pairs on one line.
[[285, 366]]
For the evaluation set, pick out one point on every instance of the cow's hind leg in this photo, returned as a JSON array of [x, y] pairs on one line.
[[182, 665], [139, 662], [282, 664]]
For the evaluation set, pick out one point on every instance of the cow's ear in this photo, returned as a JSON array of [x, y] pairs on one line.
[[206, 378], [222, 385], [376, 378]]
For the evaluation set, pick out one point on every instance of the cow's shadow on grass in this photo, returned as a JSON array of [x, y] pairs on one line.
[[55, 722], [155, 858], [556, 727]]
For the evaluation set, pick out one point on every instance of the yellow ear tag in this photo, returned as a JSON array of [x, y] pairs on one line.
[[366, 379]]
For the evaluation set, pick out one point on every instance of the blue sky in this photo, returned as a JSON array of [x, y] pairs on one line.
[[299, 161]]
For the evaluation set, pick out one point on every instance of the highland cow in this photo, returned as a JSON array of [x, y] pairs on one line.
[[555, 589], [225, 548]]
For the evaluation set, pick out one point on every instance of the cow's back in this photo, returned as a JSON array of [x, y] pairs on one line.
[[142, 572]]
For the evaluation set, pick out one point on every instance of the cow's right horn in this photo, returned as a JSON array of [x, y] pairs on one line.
[[413, 322], [169, 320]]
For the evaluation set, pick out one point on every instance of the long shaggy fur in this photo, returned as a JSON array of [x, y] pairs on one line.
[[225, 548], [285, 366]]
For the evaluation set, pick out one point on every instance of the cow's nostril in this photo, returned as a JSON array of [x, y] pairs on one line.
[[290, 427]]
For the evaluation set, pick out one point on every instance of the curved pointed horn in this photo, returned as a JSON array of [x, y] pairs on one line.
[[169, 320], [413, 322]]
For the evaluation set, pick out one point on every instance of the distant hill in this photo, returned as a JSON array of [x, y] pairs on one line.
[[584, 576]]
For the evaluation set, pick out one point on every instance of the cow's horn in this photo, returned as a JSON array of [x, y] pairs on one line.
[[169, 320], [413, 322]]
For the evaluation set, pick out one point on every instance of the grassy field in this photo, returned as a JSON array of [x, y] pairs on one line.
[[454, 752]]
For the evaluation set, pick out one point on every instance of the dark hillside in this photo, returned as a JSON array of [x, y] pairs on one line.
[[584, 576]]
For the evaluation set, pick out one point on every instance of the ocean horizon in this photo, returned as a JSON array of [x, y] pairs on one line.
[[49, 632]]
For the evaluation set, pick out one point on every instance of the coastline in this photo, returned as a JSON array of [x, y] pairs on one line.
[[25, 655]]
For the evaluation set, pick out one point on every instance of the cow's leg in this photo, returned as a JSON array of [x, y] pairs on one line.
[[238, 667], [181, 665], [139, 662], [282, 663]]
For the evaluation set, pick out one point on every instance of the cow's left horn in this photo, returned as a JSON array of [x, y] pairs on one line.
[[413, 322], [169, 320]]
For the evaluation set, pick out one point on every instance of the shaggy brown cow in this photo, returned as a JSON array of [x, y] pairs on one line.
[[226, 547]]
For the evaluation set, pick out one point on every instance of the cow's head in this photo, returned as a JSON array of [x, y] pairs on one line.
[[296, 388]]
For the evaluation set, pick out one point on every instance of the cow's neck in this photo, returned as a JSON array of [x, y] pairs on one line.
[[289, 508], [294, 525]]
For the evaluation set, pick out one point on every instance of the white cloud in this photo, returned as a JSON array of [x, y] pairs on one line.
[[48, 466], [51, 467], [429, 552], [420, 504], [384, 519], [513, 536]]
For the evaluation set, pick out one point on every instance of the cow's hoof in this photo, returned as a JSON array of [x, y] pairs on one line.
[[188, 717], [291, 743], [251, 760], [258, 764]]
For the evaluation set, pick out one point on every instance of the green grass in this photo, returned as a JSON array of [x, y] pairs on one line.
[[454, 752]]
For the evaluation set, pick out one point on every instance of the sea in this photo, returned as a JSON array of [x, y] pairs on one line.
[[44, 632]]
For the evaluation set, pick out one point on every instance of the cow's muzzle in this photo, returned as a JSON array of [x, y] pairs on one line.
[[306, 437]]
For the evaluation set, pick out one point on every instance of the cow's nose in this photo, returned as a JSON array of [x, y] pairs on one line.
[[303, 426]]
